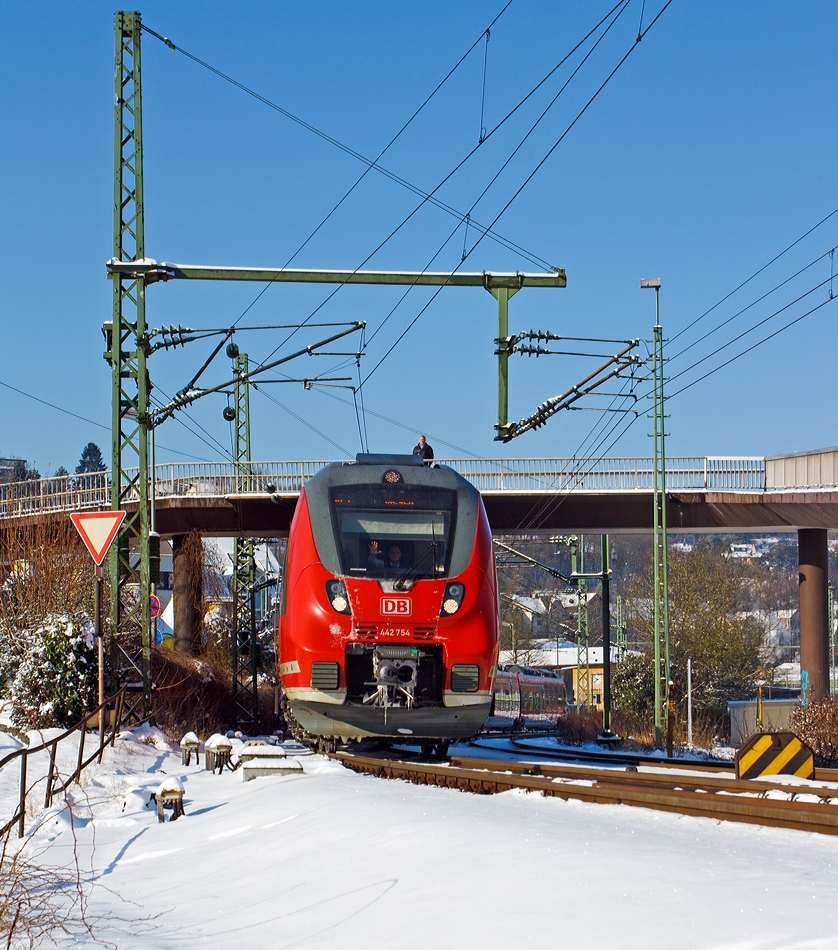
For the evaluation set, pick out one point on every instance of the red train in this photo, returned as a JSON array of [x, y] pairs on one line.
[[527, 697], [389, 613]]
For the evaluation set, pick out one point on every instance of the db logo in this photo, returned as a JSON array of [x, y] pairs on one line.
[[395, 606]]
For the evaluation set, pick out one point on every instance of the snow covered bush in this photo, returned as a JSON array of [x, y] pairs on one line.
[[49, 671], [633, 686], [48, 665], [817, 726]]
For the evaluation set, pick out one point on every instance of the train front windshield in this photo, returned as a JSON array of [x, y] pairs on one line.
[[383, 531]]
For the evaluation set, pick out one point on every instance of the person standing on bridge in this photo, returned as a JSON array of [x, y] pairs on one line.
[[424, 449]]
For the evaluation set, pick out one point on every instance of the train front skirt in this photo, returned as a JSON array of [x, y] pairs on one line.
[[424, 722]]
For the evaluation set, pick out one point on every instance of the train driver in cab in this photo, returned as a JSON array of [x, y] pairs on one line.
[[393, 561]]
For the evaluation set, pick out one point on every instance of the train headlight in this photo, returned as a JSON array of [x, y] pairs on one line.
[[452, 599], [338, 598]]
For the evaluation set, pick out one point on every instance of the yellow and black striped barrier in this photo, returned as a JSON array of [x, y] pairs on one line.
[[774, 753]]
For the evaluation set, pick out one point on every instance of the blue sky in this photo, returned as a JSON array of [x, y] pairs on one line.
[[709, 152]]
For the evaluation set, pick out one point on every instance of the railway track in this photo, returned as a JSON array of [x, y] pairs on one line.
[[569, 754], [809, 807]]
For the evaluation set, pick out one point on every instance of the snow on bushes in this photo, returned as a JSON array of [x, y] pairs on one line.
[[817, 726], [49, 671]]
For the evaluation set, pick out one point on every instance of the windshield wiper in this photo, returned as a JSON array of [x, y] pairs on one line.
[[400, 580]]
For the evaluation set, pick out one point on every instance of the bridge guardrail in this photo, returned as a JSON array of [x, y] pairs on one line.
[[182, 479]]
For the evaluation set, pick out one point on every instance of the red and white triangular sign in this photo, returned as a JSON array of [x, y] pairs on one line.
[[97, 530]]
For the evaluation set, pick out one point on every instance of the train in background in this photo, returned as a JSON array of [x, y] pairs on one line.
[[389, 623], [525, 697]]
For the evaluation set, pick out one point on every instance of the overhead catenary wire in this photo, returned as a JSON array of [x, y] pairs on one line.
[[557, 503], [744, 309], [537, 168], [455, 169], [620, 6], [482, 134], [748, 307], [300, 419], [737, 356], [771, 336], [523, 185], [372, 164], [403, 425], [93, 422], [548, 507], [755, 326], [755, 274], [485, 231]]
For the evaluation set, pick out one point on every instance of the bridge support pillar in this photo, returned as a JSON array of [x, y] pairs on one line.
[[184, 566], [812, 557]]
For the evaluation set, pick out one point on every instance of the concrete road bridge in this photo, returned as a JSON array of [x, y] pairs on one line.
[[705, 494]]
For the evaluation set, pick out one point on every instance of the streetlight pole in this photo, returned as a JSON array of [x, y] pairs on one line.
[[605, 565]]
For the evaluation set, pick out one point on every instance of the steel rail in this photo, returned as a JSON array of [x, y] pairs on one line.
[[493, 776], [565, 753], [635, 758], [686, 782]]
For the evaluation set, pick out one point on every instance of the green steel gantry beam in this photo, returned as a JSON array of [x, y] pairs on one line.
[[154, 271], [127, 350], [502, 286]]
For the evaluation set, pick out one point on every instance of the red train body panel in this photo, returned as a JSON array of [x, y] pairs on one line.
[[389, 620]]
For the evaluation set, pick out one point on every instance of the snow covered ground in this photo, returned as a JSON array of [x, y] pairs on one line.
[[330, 859]]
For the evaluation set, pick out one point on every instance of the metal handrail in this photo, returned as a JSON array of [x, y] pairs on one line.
[[220, 479], [52, 788]]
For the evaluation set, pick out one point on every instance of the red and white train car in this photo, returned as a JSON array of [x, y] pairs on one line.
[[389, 615], [527, 697]]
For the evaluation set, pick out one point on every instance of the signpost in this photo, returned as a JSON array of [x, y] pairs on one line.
[[97, 530]]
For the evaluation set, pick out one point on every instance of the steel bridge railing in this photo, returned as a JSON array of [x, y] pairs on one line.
[[175, 479]]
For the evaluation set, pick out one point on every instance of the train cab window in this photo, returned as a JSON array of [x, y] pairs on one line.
[[384, 531]]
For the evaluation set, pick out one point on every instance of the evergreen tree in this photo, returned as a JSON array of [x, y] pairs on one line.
[[60, 472], [21, 471], [91, 459]]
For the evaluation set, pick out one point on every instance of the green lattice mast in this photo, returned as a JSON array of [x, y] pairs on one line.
[[244, 645], [583, 660], [127, 342]]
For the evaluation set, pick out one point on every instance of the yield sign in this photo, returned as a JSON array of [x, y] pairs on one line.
[[97, 530]]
